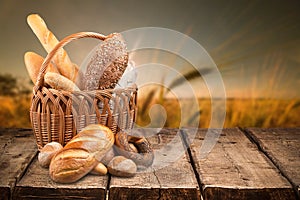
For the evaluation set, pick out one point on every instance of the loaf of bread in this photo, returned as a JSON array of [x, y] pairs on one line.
[[33, 63], [70, 165], [49, 41], [81, 154], [106, 66], [59, 82], [95, 138]]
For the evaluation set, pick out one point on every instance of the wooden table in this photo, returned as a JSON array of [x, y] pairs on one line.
[[249, 163]]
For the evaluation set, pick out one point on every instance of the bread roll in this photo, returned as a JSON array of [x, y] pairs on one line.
[[121, 166], [49, 41], [47, 152], [70, 165], [33, 63]]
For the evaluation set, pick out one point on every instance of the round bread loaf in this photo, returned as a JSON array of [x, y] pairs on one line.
[[47, 152], [107, 64]]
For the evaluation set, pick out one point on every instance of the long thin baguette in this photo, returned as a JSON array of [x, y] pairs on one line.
[[60, 82], [33, 63], [49, 41]]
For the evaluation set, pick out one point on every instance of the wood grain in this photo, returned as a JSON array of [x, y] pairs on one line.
[[282, 146], [174, 181], [256, 164], [17, 150], [36, 184], [236, 169]]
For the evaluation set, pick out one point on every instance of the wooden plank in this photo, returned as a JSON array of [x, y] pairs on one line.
[[17, 150], [174, 181], [236, 169], [282, 146], [36, 184]]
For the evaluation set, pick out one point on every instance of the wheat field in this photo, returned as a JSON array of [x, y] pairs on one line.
[[14, 112], [239, 112]]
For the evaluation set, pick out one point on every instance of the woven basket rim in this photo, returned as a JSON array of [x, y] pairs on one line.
[[75, 36], [62, 122]]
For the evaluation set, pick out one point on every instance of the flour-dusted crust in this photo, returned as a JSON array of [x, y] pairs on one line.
[[107, 65]]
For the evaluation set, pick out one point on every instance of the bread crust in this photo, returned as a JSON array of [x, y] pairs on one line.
[[33, 63], [49, 41], [70, 165], [59, 82], [99, 170], [81, 154], [47, 153]]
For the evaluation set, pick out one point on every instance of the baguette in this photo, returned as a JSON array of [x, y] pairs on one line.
[[49, 41], [33, 64], [59, 82], [81, 154]]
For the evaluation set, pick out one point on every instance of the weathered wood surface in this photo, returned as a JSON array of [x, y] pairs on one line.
[[17, 150], [282, 146], [254, 164], [170, 177], [36, 184], [236, 169]]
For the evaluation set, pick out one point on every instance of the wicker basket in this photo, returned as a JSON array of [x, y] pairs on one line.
[[58, 115]]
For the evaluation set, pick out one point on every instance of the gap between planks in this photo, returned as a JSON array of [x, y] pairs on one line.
[[194, 162], [186, 143], [156, 184], [255, 141]]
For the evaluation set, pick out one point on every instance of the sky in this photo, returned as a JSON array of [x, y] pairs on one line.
[[254, 44]]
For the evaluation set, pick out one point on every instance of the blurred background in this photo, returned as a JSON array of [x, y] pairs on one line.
[[255, 45]]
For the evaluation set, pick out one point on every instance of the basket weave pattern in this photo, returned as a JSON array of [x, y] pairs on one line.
[[58, 115]]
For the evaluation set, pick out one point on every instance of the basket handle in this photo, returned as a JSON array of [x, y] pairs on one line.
[[62, 43]]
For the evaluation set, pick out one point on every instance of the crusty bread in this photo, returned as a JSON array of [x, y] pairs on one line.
[[96, 139], [47, 152], [81, 154], [33, 63], [99, 169], [70, 165], [49, 41], [122, 166], [60, 82], [107, 65]]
